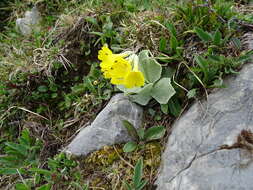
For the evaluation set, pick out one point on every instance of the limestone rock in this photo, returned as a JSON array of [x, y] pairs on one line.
[[29, 22], [107, 128], [193, 159]]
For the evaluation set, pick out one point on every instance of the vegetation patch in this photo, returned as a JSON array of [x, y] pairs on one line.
[[52, 83]]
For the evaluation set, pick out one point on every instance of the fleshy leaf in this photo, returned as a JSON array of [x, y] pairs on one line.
[[138, 172], [149, 67], [162, 91], [217, 38], [174, 107], [130, 147], [144, 95], [204, 36], [173, 43], [129, 90], [154, 133], [130, 129]]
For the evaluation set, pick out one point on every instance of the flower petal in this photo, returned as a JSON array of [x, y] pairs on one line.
[[134, 79], [104, 53]]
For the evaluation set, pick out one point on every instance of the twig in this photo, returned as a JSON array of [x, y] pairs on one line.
[[23, 181], [97, 188], [123, 158]]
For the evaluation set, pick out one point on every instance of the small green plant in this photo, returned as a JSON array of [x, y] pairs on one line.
[[137, 182], [212, 39], [156, 86], [141, 135], [202, 14], [213, 67], [47, 75], [139, 76], [174, 48], [60, 167], [21, 155], [105, 32]]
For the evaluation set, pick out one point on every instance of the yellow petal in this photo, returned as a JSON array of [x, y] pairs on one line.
[[104, 53], [134, 79], [120, 68], [117, 81], [107, 74], [105, 65]]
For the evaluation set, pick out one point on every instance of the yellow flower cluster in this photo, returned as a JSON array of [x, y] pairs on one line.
[[119, 70]]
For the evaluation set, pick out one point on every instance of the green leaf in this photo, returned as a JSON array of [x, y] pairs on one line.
[[21, 186], [76, 185], [142, 185], [130, 129], [173, 43], [218, 83], [192, 93], [162, 44], [237, 43], [205, 36], [171, 29], [91, 20], [151, 112], [163, 91], [203, 65], [128, 186], [141, 132], [97, 33], [144, 54], [144, 95], [130, 146], [217, 38], [44, 187], [53, 88], [8, 171], [154, 133], [174, 107], [25, 138], [138, 172], [9, 160], [19, 148], [41, 171], [89, 85], [86, 187], [54, 95], [42, 88], [129, 90], [149, 67], [245, 56], [164, 108]]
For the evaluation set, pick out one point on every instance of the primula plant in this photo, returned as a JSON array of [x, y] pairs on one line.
[[138, 76], [121, 71], [141, 136]]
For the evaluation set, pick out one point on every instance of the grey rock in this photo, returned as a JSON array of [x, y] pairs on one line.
[[29, 22], [193, 159], [107, 128]]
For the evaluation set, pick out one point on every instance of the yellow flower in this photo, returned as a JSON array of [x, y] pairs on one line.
[[134, 79], [119, 70], [117, 81], [116, 67], [104, 54], [107, 74]]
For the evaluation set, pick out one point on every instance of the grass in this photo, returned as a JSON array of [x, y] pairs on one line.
[[51, 84]]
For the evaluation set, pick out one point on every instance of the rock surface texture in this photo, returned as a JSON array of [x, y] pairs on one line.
[[29, 22], [194, 159], [107, 128]]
